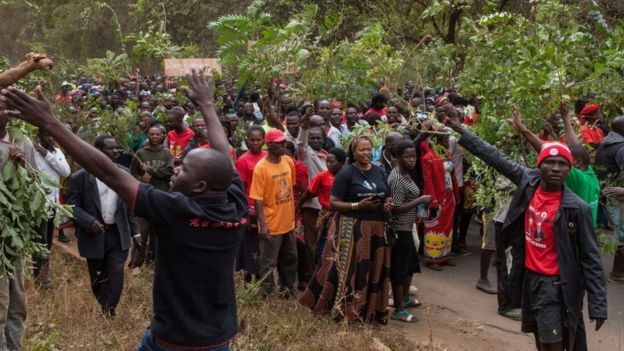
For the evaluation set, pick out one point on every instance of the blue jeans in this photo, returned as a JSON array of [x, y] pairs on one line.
[[148, 344]]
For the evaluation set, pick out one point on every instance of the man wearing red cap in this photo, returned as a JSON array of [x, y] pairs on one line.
[[591, 130], [547, 253], [272, 190]]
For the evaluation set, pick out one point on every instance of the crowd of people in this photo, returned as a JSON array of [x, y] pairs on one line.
[[293, 196]]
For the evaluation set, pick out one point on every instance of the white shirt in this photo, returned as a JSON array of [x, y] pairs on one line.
[[108, 202], [55, 166], [334, 135]]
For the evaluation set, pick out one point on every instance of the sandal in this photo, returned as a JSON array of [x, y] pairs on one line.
[[404, 316], [410, 301], [513, 314]]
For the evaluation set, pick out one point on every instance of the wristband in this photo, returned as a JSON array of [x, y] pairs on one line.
[[355, 205]]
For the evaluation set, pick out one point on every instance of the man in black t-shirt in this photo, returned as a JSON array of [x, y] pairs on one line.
[[202, 222]]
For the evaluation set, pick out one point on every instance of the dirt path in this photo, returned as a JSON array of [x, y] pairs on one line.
[[460, 317]]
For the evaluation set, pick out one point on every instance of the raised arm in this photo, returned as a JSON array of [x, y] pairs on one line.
[[488, 153], [570, 134], [270, 115], [39, 112], [200, 93], [533, 139]]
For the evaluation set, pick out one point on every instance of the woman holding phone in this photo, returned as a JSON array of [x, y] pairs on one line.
[[353, 278]]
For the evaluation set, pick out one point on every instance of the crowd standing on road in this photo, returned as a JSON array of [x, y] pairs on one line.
[[296, 196]]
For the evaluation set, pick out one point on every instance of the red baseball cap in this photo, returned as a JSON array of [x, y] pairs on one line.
[[554, 149], [274, 136], [590, 109]]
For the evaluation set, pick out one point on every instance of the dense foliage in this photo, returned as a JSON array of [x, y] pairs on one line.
[[23, 198], [531, 53]]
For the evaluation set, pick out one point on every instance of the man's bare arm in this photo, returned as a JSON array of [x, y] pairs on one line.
[[570, 134], [533, 139], [39, 112], [200, 93]]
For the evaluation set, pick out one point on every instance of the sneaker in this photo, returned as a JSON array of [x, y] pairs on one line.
[[63, 238], [485, 286]]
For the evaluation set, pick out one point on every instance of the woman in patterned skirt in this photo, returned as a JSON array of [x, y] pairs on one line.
[[352, 282]]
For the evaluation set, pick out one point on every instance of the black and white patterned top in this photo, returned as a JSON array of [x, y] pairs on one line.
[[403, 190]]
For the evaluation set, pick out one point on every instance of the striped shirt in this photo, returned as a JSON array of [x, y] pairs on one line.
[[403, 190]]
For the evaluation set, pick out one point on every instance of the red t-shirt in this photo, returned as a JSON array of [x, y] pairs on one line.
[[382, 112], [178, 142], [472, 119], [539, 233], [321, 186], [245, 166], [590, 134], [232, 150]]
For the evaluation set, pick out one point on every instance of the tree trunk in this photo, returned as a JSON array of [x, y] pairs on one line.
[[451, 34], [502, 4]]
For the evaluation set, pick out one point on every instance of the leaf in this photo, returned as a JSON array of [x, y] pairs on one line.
[[8, 171]]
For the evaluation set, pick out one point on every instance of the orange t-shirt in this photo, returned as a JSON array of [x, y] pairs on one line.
[[273, 185]]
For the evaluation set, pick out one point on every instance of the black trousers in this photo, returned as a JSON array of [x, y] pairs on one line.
[[42, 262], [107, 274]]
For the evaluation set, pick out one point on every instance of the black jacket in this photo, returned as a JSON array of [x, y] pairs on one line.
[[579, 260], [85, 198], [610, 156]]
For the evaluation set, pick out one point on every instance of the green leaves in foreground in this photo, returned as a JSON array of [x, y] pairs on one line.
[[23, 199]]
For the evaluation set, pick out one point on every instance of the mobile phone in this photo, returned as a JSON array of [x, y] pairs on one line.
[[379, 197]]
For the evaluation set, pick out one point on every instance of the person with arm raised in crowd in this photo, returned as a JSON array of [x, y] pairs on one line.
[[202, 223], [549, 236]]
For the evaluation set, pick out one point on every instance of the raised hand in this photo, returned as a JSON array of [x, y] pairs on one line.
[[200, 92], [305, 120], [516, 122], [564, 110], [453, 124], [34, 111]]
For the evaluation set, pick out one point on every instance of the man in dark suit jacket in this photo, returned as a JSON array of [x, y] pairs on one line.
[[105, 228]]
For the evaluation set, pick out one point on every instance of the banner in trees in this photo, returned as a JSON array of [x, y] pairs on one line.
[[181, 67]]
